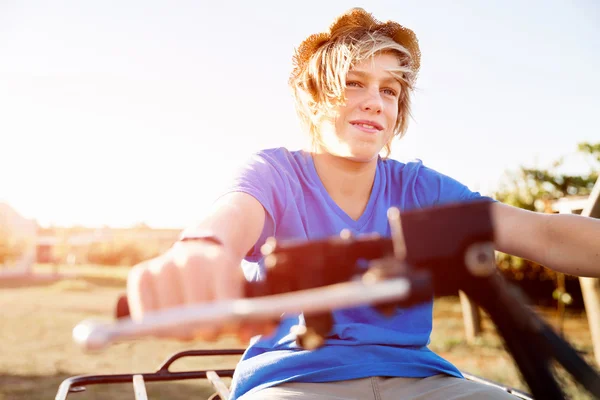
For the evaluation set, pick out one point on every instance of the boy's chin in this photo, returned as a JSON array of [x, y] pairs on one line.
[[362, 156], [357, 154]]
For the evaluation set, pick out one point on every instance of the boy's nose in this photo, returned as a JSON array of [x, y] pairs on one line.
[[372, 102]]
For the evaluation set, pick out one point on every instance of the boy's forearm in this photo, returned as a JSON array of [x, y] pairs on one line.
[[236, 221], [572, 245]]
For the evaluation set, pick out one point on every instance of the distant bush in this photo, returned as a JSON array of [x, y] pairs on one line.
[[517, 269], [10, 247], [123, 252], [535, 189]]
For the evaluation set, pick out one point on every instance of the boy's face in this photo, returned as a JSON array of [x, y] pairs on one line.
[[361, 127]]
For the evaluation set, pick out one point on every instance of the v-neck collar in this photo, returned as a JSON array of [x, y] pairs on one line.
[[364, 218]]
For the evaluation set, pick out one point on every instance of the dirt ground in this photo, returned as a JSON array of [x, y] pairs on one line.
[[37, 352]]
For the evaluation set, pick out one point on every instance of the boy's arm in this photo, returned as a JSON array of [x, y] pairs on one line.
[[566, 243]]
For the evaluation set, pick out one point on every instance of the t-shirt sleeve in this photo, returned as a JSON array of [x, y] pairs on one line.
[[261, 177], [433, 188]]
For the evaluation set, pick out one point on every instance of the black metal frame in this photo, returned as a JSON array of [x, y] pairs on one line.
[[77, 384], [434, 261], [434, 253]]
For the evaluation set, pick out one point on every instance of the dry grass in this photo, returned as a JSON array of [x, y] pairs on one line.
[[487, 357], [37, 353]]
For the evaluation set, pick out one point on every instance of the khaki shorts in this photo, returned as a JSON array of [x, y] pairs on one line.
[[437, 387]]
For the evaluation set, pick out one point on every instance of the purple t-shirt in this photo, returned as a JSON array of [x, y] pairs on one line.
[[362, 342]]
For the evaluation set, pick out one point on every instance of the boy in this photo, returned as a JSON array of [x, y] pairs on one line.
[[352, 87]]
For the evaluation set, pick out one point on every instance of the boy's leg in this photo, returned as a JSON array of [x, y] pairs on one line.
[[437, 387], [354, 389]]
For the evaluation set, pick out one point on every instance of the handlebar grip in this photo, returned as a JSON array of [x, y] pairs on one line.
[[122, 307], [251, 289], [93, 335]]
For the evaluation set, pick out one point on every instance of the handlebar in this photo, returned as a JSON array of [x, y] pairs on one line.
[[434, 251], [95, 335]]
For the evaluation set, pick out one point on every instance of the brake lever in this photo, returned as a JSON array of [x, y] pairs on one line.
[[96, 335]]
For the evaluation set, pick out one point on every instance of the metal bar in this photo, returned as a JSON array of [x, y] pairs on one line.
[[164, 368], [590, 287], [63, 390], [93, 335], [570, 359], [218, 384], [520, 329], [139, 388], [395, 222], [592, 206], [85, 380]]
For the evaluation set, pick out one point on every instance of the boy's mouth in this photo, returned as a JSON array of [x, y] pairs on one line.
[[367, 126]]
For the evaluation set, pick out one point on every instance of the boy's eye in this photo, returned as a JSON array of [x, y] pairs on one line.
[[390, 92], [352, 83]]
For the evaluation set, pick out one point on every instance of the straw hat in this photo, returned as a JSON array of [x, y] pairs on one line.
[[357, 22]]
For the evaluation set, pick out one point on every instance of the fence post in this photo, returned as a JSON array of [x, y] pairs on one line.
[[471, 317], [590, 287]]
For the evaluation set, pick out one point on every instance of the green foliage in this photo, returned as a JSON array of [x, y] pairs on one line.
[[534, 189], [591, 149]]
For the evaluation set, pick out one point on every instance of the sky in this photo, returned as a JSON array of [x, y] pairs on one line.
[[115, 113]]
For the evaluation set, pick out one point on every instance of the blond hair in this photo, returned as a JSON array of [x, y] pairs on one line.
[[320, 86]]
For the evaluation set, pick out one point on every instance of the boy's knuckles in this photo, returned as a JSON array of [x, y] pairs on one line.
[[168, 285], [141, 292]]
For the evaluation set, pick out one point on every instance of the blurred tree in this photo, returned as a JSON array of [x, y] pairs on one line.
[[534, 189], [591, 149], [10, 247]]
